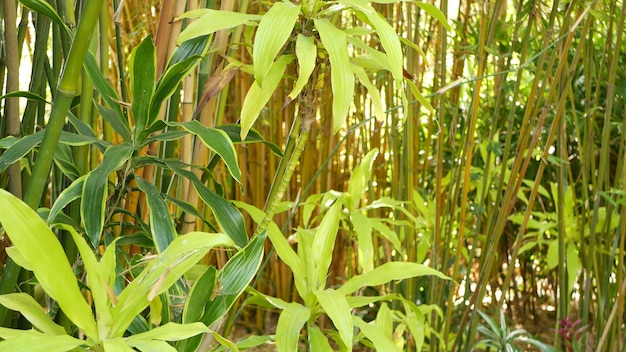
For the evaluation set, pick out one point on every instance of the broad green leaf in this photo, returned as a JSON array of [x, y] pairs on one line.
[[97, 281], [383, 320], [116, 345], [44, 8], [341, 75], [360, 178], [168, 84], [337, 309], [306, 52], [290, 322], [218, 141], [117, 122], [380, 341], [95, 190], [234, 277], [40, 247], [229, 284], [414, 319], [324, 243], [161, 273], [317, 340], [388, 36], [170, 332], [108, 94], [64, 160], [201, 292], [19, 148], [142, 68], [233, 131], [194, 47], [372, 91], [434, 12], [36, 342], [363, 228], [257, 97], [418, 95], [388, 272], [32, 311], [161, 226], [151, 345], [227, 216], [210, 21], [280, 245], [274, 29]]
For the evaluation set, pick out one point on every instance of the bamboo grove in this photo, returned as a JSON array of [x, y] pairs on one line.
[[313, 175]]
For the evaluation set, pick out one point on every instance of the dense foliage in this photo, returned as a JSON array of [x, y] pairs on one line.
[[313, 175]]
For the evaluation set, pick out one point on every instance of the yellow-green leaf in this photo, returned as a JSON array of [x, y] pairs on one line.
[[337, 309], [418, 95], [324, 242], [290, 322], [342, 78], [306, 52], [210, 21], [274, 30], [257, 97], [32, 311]]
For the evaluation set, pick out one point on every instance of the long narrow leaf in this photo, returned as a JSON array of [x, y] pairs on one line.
[[274, 30], [32, 311], [142, 68], [161, 226], [40, 247]]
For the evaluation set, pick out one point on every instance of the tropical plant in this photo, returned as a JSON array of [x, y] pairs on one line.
[[503, 339]]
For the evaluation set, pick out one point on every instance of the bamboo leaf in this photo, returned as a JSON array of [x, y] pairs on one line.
[[290, 322], [363, 228], [418, 95], [378, 338], [44, 8], [360, 178], [257, 97], [317, 340], [372, 91], [95, 190], [168, 84], [108, 94], [32, 311], [68, 195], [218, 141], [324, 242], [434, 12], [161, 226], [142, 68], [169, 332], [274, 29], [16, 340], [117, 122], [233, 132], [40, 247], [342, 78], [18, 148], [337, 309], [306, 52], [386, 273], [161, 273], [210, 21]]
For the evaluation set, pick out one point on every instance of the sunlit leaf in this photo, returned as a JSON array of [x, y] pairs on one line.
[[337, 309], [306, 52], [210, 21], [374, 334], [342, 78], [324, 242], [32, 311], [16, 340], [274, 29], [290, 322], [257, 97], [373, 92], [44, 8], [40, 247]]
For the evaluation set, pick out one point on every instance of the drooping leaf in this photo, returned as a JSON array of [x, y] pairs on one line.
[[337, 309], [108, 94], [306, 52], [19, 148], [44, 8], [218, 142], [95, 190], [210, 21], [68, 195], [161, 273], [16, 340], [233, 131], [161, 225], [274, 29], [214, 85], [27, 95], [170, 332], [40, 247], [388, 272], [342, 78], [257, 97], [380, 341], [290, 322], [372, 91], [168, 84], [32, 311], [117, 122], [360, 178], [363, 228], [317, 340], [142, 68], [324, 242]]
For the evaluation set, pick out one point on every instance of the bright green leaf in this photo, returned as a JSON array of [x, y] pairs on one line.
[[210, 21], [337, 309], [142, 68], [324, 243], [306, 52], [32, 311]]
